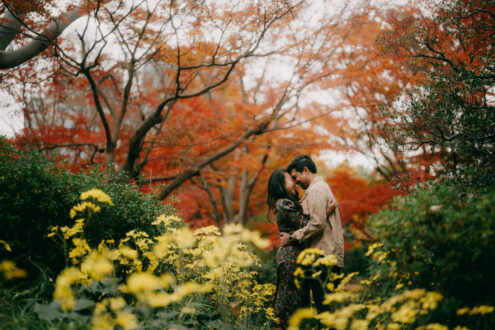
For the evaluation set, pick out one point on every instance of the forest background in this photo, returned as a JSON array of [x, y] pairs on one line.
[[195, 103]]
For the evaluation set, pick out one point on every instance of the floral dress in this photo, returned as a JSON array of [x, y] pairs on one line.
[[288, 298]]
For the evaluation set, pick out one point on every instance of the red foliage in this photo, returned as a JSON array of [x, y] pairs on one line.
[[270, 231]]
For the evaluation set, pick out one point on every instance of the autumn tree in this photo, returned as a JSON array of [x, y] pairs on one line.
[[32, 22], [199, 129], [452, 113]]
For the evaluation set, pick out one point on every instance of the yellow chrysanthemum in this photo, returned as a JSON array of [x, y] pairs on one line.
[[63, 291], [9, 270], [83, 206], [299, 316], [97, 194], [96, 266], [308, 256]]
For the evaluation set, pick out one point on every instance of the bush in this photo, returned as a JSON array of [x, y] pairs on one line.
[[439, 238], [35, 195], [177, 279]]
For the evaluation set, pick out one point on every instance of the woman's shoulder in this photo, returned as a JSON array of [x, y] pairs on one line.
[[285, 204]]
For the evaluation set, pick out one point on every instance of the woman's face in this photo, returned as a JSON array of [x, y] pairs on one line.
[[289, 184]]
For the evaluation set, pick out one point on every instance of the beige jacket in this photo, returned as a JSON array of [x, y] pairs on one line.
[[320, 232]]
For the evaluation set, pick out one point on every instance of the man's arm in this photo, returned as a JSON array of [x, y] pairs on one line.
[[331, 206], [317, 206]]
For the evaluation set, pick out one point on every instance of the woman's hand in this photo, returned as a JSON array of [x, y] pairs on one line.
[[332, 206]]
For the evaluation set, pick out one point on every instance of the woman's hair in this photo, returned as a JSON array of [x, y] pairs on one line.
[[277, 190]]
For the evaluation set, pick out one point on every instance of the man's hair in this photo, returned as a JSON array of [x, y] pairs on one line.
[[300, 162]]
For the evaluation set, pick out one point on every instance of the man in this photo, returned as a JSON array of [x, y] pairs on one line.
[[322, 231]]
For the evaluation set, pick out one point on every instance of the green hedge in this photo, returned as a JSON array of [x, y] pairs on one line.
[[35, 195], [440, 238]]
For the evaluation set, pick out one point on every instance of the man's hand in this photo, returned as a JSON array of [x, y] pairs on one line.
[[332, 206], [284, 239]]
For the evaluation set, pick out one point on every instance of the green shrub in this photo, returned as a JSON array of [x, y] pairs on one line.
[[35, 195], [440, 238]]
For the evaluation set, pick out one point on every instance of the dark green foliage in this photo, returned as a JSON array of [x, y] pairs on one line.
[[440, 238], [36, 195]]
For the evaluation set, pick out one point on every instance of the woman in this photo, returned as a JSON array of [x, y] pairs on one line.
[[283, 198]]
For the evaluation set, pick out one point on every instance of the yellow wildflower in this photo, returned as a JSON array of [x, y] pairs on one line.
[[63, 291], [433, 326], [329, 261], [126, 320], [406, 313], [117, 303], [308, 256], [96, 266], [207, 231], [167, 220], [10, 270], [347, 279], [299, 316], [138, 282], [359, 325], [7, 246], [97, 194], [483, 309], [337, 297], [80, 249], [75, 229], [372, 248], [299, 272], [83, 206]]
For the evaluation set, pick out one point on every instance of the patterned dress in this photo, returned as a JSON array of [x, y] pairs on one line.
[[288, 298]]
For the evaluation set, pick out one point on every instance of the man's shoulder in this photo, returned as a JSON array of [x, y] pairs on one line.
[[319, 185]]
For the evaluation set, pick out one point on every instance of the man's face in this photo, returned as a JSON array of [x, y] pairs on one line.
[[301, 178]]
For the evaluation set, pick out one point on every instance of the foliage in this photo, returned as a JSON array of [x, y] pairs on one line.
[[439, 238], [35, 194], [178, 278], [451, 113], [358, 198], [356, 304]]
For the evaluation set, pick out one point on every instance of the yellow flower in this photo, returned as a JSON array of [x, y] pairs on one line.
[[96, 266], [83, 206], [406, 313], [168, 220], [10, 270], [80, 249], [299, 316], [337, 297], [329, 261], [77, 228], [433, 326], [63, 291], [207, 231], [7, 246], [308, 256], [97, 194], [372, 247], [299, 272], [138, 282], [483, 309], [117, 303], [347, 279], [127, 252], [359, 325], [184, 238], [463, 311]]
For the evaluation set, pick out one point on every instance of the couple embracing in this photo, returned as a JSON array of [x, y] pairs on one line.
[[311, 222]]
